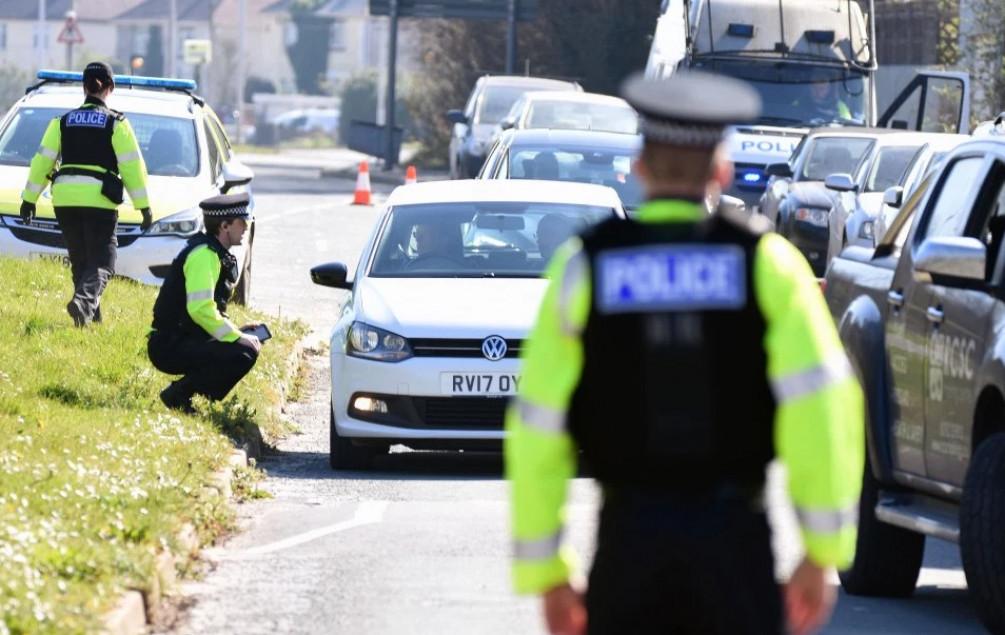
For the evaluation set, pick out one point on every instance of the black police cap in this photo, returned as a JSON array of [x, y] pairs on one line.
[[227, 206], [99, 70], [690, 108]]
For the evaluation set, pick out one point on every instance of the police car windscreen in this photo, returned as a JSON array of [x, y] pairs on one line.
[[168, 143], [475, 240]]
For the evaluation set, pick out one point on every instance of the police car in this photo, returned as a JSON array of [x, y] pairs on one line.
[[427, 349], [188, 158]]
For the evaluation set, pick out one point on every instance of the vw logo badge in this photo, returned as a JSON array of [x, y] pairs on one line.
[[494, 348]]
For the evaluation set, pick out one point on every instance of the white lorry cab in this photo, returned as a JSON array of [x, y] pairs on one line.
[[813, 63]]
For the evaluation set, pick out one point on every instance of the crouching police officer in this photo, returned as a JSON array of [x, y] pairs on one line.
[[680, 353], [192, 335], [94, 145]]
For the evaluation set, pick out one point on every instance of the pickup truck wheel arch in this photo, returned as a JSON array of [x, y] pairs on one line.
[[982, 542]]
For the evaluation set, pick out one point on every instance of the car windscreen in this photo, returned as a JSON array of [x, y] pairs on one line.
[[477, 240], [601, 166], [168, 144], [496, 102], [568, 115], [831, 155], [890, 167], [799, 94]]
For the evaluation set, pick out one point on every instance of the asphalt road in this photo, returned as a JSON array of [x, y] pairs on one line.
[[420, 543]]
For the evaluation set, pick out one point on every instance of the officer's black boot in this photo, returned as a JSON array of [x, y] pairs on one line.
[[97, 315], [77, 313], [178, 396]]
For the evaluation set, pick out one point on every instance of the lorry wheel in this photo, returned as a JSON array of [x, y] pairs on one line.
[[982, 541], [887, 558], [343, 454]]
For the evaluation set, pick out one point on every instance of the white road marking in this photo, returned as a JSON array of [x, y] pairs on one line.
[[367, 513]]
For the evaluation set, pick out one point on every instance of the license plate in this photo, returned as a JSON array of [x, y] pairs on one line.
[[44, 255], [479, 383]]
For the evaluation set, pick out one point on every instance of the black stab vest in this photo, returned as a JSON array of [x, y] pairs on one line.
[[86, 136], [170, 311], [675, 400]]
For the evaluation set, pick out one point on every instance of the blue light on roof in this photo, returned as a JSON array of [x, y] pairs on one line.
[[122, 80], [752, 177]]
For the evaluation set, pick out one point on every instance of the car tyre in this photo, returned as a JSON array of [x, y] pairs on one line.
[[982, 541], [343, 454], [242, 291], [887, 558]]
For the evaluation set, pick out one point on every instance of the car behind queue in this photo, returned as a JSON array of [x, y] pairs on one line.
[[188, 158], [427, 348]]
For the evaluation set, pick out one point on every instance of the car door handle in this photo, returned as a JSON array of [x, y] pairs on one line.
[[935, 314], [895, 298]]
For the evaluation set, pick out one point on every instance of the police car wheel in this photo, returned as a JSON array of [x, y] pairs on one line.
[[887, 558], [982, 541], [343, 454]]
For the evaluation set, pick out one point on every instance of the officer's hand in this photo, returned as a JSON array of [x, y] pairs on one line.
[[564, 611], [809, 598], [148, 219], [27, 211], [251, 342]]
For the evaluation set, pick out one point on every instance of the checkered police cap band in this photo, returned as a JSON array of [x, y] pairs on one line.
[[227, 212], [681, 134]]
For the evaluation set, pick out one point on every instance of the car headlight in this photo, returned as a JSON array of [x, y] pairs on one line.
[[183, 223], [867, 230], [812, 215], [370, 342]]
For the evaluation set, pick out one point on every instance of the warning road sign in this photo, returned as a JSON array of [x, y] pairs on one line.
[[71, 33]]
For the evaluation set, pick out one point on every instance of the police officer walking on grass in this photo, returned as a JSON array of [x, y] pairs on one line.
[[97, 151], [192, 335], [680, 354]]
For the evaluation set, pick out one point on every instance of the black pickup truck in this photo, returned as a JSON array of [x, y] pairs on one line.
[[923, 320]]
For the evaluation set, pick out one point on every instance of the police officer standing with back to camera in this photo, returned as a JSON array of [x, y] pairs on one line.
[[96, 150], [681, 353], [192, 335]]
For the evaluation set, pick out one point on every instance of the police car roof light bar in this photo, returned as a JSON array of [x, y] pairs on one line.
[[184, 85]]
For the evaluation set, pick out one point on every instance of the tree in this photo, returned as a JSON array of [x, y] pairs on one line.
[[309, 51], [13, 81], [982, 54]]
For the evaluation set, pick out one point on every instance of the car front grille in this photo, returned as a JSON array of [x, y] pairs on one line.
[[458, 348]]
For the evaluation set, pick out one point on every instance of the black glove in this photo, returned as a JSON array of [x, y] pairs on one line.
[[148, 219], [27, 211]]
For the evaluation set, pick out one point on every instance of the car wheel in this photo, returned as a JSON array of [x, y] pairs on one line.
[[343, 454], [887, 558], [982, 542], [242, 292]]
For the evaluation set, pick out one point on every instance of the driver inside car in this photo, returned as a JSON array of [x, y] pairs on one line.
[[437, 245]]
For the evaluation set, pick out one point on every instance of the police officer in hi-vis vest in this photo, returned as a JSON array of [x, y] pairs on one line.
[[679, 354], [192, 335], [97, 151]]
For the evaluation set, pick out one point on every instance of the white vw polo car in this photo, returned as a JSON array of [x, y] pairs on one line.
[[427, 349]]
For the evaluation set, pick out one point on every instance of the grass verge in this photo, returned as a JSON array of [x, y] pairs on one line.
[[96, 476]]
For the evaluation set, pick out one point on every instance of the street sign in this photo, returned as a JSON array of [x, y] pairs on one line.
[[526, 10], [71, 33], [197, 52]]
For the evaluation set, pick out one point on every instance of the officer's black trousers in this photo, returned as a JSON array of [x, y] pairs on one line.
[[701, 567], [89, 233], [210, 368]]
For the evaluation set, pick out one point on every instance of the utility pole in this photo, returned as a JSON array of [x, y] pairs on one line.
[[40, 35], [511, 37], [392, 57], [172, 38], [242, 25]]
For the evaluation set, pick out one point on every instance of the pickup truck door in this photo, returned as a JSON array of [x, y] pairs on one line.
[[934, 101], [962, 315]]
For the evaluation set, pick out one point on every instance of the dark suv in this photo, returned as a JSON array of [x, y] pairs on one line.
[[490, 101]]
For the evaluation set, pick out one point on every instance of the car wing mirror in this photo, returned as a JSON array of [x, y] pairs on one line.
[[780, 170], [332, 274], [840, 182], [235, 174], [955, 256], [507, 123], [456, 116], [893, 196], [732, 204]]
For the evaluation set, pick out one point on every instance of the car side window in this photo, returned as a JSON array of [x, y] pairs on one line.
[[502, 168], [221, 137], [951, 210], [214, 153], [992, 205]]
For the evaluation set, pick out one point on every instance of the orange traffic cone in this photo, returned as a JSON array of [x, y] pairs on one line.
[[411, 176], [362, 196]]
